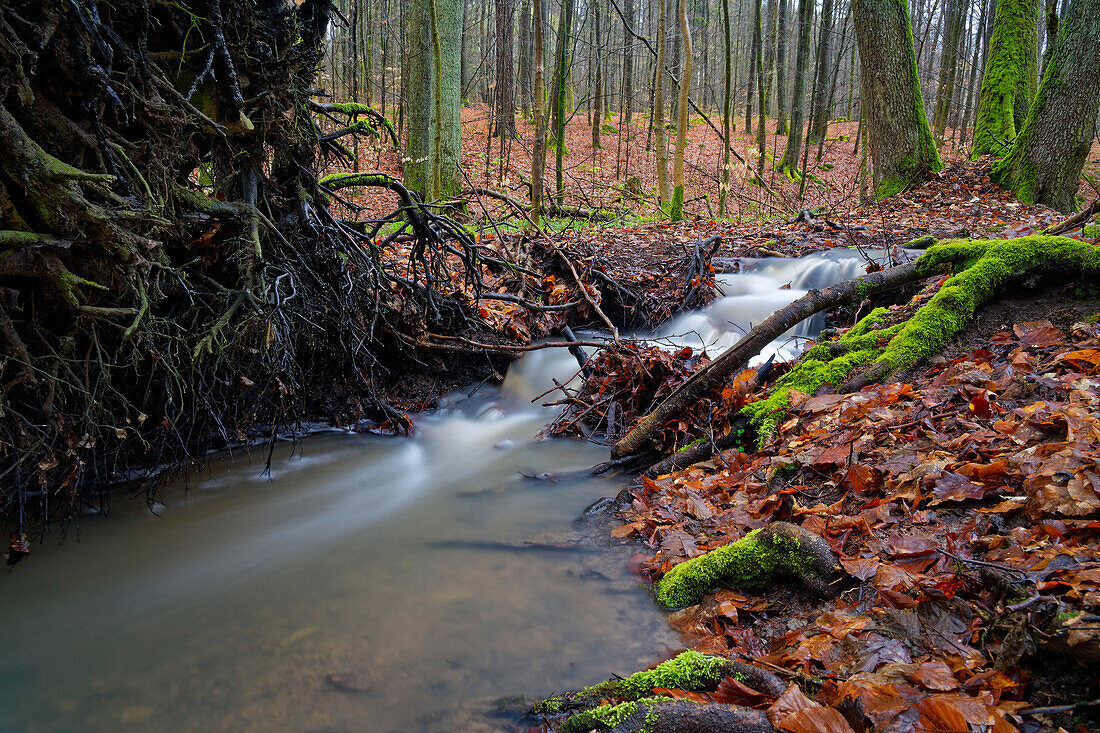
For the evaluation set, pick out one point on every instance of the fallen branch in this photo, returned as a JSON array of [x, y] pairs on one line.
[[738, 355], [1079, 219]]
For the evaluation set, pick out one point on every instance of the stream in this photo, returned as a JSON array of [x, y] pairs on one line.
[[365, 583]]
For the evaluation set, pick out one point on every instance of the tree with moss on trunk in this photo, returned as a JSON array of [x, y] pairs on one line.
[[1010, 79], [432, 146], [676, 209], [898, 136], [1044, 164], [505, 125]]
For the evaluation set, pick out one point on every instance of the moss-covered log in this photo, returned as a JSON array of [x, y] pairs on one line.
[[1044, 164], [870, 352], [755, 561], [1010, 78]]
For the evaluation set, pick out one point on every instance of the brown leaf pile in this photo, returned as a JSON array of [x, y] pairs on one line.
[[965, 507]]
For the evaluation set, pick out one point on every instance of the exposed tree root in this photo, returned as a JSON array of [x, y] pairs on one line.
[[670, 716]]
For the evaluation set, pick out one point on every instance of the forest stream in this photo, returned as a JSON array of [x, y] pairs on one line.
[[366, 582]]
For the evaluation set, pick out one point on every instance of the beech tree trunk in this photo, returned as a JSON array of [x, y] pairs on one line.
[[898, 136], [676, 210], [663, 194], [505, 126], [1044, 164], [434, 86], [788, 165], [819, 120], [1011, 77]]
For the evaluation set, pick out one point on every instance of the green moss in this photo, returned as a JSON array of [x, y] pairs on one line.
[[609, 716], [689, 670], [1091, 231], [981, 267], [676, 208], [1010, 80], [747, 563]]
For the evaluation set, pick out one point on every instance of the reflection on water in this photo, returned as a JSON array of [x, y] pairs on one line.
[[372, 561]]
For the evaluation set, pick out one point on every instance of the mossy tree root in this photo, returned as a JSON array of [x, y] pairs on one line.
[[755, 561], [671, 716], [689, 670]]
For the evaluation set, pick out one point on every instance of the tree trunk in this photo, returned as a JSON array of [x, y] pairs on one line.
[[788, 165], [659, 110], [432, 143], [727, 93], [626, 109], [505, 126], [781, 127], [597, 94], [561, 94], [1044, 164], [819, 124], [898, 136], [676, 211], [949, 66], [538, 151], [1011, 78]]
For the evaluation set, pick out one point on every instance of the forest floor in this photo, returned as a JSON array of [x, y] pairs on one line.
[[961, 497]]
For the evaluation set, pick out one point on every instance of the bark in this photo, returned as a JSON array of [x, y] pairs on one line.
[[1011, 78], [597, 94], [898, 137], [781, 125], [788, 165], [819, 120], [432, 143], [538, 151], [505, 126], [663, 194], [627, 103], [561, 94], [949, 65], [1045, 162], [676, 210], [727, 92]]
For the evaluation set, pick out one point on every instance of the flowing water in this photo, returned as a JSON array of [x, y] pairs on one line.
[[365, 583]]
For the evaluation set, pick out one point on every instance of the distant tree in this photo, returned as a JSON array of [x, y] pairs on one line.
[[788, 165], [505, 98], [898, 136], [727, 93], [432, 147], [560, 94], [819, 119], [781, 127], [538, 148], [676, 210], [949, 64], [660, 142], [1011, 78], [1044, 165]]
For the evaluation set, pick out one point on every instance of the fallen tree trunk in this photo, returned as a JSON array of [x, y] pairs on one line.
[[738, 355]]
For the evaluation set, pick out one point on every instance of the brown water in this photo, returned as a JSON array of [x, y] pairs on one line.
[[366, 557]]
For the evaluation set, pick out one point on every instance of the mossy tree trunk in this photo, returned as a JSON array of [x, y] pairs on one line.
[[898, 137], [505, 125], [676, 210], [433, 92], [1044, 164], [560, 95], [727, 93], [538, 147], [1011, 77]]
